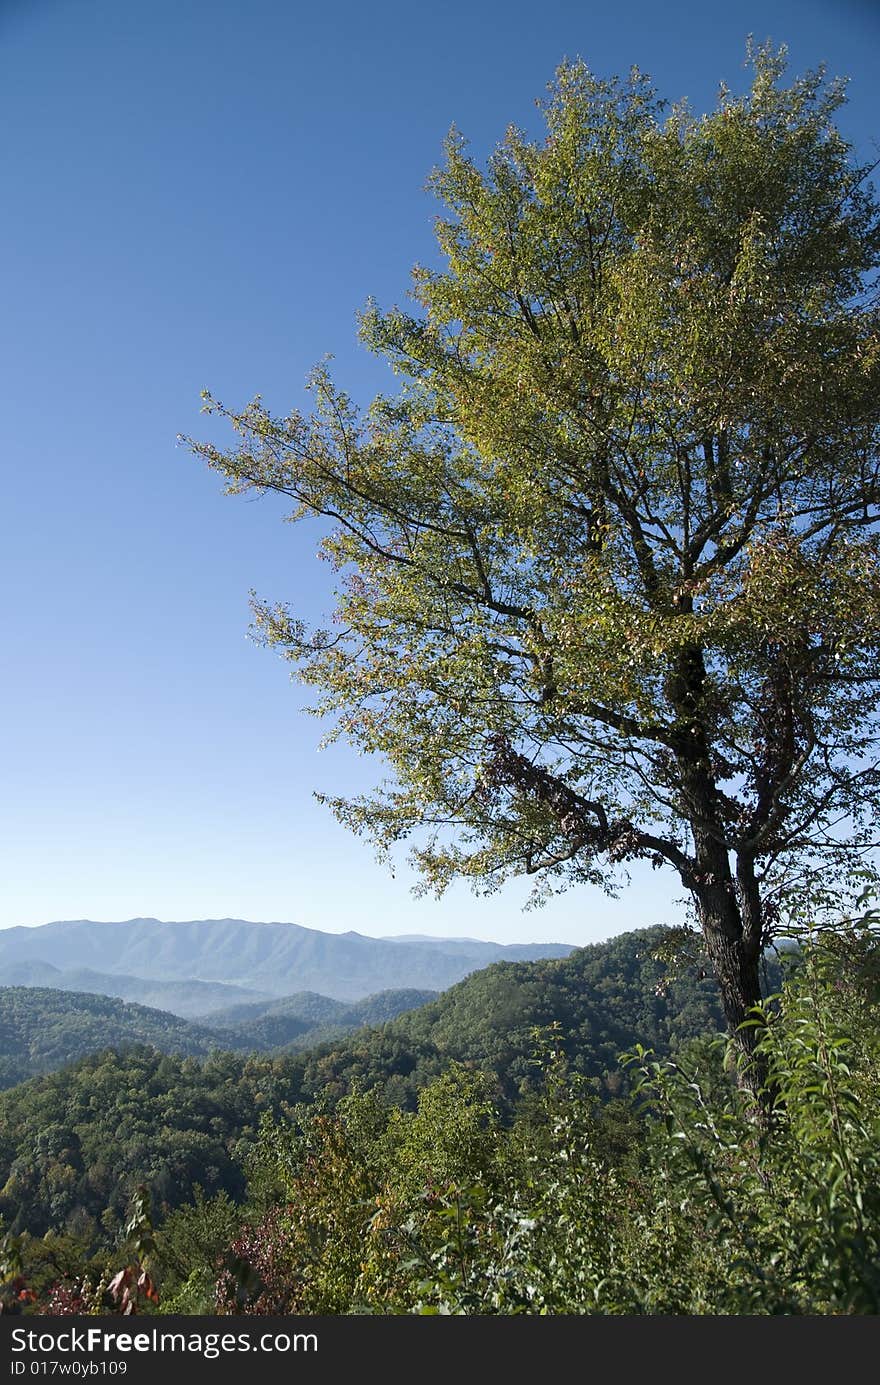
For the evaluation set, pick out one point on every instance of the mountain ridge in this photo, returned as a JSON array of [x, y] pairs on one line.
[[271, 958]]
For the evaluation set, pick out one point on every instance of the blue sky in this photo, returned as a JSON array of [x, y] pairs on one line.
[[202, 193]]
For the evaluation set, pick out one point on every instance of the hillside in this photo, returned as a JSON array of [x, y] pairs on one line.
[[605, 998], [74, 1144], [81, 1138], [42, 1030], [274, 959], [307, 1019]]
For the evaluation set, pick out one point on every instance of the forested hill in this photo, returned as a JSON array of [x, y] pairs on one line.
[[307, 1019], [75, 1144], [605, 998], [43, 1029], [187, 997], [83, 1137]]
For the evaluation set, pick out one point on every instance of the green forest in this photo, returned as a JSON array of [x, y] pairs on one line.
[[76, 1143], [513, 1147], [42, 1029]]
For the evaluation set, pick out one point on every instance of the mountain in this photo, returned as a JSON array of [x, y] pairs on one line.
[[77, 1141], [424, 938], [188, 999], [305, 1020], [42, 1029], [274, 959], [487, 952], [604, 999], [302, 1005], [322, 1009]]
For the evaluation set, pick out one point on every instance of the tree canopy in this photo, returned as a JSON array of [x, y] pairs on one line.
[[608, 561]]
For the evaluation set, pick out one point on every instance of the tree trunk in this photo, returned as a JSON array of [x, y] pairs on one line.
[[735, 957], [729, 908]]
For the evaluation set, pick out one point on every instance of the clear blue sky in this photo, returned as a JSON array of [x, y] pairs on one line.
[[202, 193]]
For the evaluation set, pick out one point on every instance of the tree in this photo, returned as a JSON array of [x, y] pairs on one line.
[[608, 562]]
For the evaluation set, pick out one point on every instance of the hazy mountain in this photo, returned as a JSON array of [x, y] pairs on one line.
[[323, 1009], [486, 952], [274, 959], [188, 998], [303, 1005], [424, 938]]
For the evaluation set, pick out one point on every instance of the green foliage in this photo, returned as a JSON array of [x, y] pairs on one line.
[[686, 1198], [784, 1217], [74, 1145], [189, 1249], [714, 1213], [15, 1289], [532, 1234], [42, 1029], [77, 1143], [335, 1194], [305, 1252]]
